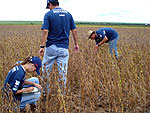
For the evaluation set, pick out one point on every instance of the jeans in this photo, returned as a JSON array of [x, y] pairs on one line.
[[113, 45], [30, 98], [61, 56]]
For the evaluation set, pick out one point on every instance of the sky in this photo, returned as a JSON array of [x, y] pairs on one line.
[[128, 11]]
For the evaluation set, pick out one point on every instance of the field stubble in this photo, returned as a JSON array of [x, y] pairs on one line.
[[97, 83]]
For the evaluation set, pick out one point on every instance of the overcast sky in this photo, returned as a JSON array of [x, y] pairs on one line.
[[133, 11]]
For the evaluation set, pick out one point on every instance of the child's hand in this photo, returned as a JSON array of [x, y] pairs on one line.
[[38, 86]]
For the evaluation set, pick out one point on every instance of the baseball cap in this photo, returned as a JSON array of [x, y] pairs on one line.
[[37, 62], [49, 1], [89, 33]]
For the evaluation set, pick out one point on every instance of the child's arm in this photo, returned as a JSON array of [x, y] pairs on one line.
[[29, 89], [32, 83]]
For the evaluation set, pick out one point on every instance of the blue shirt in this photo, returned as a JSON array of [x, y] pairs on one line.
[[110, 33], [15, 78], [59, 22]]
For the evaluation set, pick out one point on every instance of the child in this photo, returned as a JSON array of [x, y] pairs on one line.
[[105, 35], [19, 86]]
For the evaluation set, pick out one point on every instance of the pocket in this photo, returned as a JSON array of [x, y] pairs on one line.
[[51, 50], [63, 52]]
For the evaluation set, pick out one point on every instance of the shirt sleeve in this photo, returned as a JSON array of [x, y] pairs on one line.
[[46, 22], [100, 36], [17, 82], [96, 42], [72, 23], [98, 39]]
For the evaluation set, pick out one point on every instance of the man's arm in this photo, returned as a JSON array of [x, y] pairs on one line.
[[103, 41], [99, 44], [75, 38], [43, 41]]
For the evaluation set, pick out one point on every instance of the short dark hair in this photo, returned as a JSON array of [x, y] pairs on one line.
[[55, 3]]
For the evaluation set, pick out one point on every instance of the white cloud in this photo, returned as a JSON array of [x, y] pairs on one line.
[[22, 10], [82, 10]]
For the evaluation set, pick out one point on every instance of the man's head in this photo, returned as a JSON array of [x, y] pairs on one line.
[[53, 3], [91, 35]]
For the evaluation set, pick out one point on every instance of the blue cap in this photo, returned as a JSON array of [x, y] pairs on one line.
[[37, 62], [49, 1]]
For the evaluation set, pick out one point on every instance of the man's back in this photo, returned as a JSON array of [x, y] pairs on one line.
[[59, 22]]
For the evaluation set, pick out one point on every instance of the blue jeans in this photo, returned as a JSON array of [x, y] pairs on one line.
[[61, 56], [30, 98], [113, 45]]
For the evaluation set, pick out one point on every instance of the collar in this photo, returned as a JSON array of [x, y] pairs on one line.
[[57, 7], [96, 35], [23, 68]]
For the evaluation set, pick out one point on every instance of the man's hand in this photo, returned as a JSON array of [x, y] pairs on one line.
[[41, 52], [76, 48]]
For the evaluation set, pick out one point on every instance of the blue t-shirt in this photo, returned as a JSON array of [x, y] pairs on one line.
[[15, 78], [59, 22], [110, 33]]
